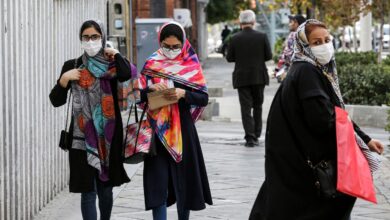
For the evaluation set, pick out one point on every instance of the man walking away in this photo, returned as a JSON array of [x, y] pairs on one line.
[[249, 49]]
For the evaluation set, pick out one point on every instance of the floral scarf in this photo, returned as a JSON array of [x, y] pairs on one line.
[[302, 52], [93, 109], [185, 69]]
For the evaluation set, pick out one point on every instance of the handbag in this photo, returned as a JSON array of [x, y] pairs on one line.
[[325, 174], [353, 172], [137, 141], [65, 137]]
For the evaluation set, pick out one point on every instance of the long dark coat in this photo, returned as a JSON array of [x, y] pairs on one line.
[[82, 175], [163, 177], [288, 192]]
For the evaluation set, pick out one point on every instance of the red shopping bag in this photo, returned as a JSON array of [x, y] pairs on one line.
[[353, 172]]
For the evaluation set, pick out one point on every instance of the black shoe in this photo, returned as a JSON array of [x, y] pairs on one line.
[[249, 144], [256, 142]]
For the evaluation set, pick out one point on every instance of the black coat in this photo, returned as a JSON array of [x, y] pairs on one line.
[[307, 99], [249, 49], [189, 177], [82, 175]]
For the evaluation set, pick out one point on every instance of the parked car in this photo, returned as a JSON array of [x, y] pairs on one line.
[[386, 36]]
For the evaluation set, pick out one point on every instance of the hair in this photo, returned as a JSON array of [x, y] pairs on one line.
[[247, 17], [311, 26], [88, 24], [172, 30]]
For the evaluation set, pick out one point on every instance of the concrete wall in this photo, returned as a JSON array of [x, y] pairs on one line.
[[36, 37], [369, 116]]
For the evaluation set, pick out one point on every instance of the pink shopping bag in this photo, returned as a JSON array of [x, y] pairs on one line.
[[353, 173]]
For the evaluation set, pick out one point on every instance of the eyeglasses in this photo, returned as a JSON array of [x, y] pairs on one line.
[[90, 37], [171, 47]]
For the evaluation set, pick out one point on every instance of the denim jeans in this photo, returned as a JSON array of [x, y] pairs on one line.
[[160, 213], [88, 202]]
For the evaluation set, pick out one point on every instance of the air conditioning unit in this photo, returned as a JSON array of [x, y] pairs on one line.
[[183, 16]]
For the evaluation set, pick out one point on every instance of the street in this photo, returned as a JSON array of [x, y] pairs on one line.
[[235, 172]]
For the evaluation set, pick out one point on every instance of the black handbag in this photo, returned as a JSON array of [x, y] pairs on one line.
[[325, 175], [65, 137]]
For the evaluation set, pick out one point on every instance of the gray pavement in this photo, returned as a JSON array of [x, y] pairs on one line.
[[235, 172]]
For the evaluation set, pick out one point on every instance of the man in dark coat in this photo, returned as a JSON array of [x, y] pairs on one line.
[[249, 49]]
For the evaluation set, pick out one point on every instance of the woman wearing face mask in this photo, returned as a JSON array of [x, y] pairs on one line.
[[177, 172], [96, 127], [303, 111]]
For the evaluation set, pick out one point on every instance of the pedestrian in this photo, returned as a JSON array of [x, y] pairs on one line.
[[302, 119], [249, 49], [95, 156], [177, 172], [285, 58], [225, 32]]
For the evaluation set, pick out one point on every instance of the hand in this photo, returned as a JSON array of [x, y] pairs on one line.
[[176, 95], [110, 52], [376, 146], [158, 87], [73, 74]]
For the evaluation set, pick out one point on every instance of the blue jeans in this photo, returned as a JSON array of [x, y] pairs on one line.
[[160, 213], [88, 202]]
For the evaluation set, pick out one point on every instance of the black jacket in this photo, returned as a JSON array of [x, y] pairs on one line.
[[249, 49], [82, 175]]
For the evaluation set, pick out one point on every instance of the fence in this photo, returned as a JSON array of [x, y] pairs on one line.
[[36, 37]]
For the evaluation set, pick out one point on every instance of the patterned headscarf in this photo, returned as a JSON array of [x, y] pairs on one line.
[[185, 69], [303, 52], [93, 109]]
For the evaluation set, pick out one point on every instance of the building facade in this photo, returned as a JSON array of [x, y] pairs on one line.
[[36, 37]]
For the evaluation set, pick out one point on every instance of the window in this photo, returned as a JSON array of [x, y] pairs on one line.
[[118, 8]]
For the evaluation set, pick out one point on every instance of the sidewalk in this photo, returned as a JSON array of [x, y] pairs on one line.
[[235, 172]]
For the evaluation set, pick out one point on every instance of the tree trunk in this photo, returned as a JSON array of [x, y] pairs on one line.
[[343, 44], [380, 49], [355, 45]]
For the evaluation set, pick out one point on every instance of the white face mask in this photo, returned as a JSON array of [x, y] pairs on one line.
[[323, 52], [171, 54], [92, 47]]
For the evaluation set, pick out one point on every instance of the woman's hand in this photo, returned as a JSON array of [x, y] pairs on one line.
[[158, 87], [376, 146], [73, 74], [110, 52], [176, 95]]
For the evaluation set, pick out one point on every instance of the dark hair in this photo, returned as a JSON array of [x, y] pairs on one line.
[[311, 26], [172, 30], [88, 24]]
